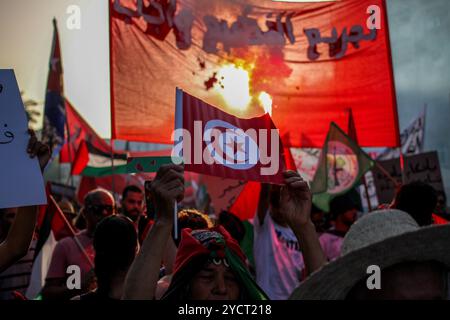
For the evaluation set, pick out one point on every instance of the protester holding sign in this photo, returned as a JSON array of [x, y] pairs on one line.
[[16, 243], [15, 279]]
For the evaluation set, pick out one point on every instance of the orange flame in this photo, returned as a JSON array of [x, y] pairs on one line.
[[234, 85]]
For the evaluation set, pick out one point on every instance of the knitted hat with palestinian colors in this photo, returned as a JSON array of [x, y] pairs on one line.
[[196, 248]]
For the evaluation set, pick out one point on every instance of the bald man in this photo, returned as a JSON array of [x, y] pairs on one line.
[[98, 204]]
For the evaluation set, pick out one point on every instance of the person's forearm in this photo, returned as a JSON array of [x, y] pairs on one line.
[[169, 256], [18, 240], [142, 278], [313, 255]]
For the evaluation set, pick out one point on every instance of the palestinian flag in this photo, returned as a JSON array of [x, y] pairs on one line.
[[93, 162], [342, 163]]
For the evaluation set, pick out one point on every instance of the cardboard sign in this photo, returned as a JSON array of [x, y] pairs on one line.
[[421, 167], [371, 193], [21, 182]]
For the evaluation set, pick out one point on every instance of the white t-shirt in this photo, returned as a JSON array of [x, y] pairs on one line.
[[331, 245], [278, 260]]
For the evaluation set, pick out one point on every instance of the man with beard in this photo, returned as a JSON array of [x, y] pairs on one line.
[[132, 203]]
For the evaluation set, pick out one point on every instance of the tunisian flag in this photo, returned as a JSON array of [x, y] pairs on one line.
[[216, 143], [310, 61]]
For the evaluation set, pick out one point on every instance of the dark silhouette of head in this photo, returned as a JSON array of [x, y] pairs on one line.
[[419, 200], [115, 244], [344, 209]]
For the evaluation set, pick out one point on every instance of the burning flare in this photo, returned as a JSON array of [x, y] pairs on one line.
[[266, 101], [235, 88]]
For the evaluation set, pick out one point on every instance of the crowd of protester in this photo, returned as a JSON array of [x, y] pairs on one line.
[[291, 249]]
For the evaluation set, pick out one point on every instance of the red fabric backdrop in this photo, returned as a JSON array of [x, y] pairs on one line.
[[310, 87]]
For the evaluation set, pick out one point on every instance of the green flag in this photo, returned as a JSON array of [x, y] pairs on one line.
[[148, 164], [342, 163]]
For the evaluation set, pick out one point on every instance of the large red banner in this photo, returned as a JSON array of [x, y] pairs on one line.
[[307, 64]]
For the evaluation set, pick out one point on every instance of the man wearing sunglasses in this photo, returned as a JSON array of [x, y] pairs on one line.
[[78, 250]]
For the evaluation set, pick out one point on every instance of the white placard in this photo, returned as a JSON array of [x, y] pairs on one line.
[[21, 181]]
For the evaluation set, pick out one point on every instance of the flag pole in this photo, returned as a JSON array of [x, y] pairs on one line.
[[366, 190], [402, 165], [111, 93], [387, 175], [69, 147], [351, 131], [72, 231], [178, 124], [112, 170]]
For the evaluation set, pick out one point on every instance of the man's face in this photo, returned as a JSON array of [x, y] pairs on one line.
[[132, 205], [215, 282], [102, 206], [407, 281]]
